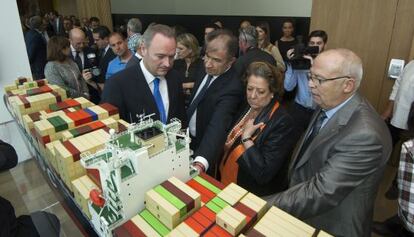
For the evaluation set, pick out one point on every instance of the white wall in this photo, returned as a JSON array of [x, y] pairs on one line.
[[13, 63], [294, 8]]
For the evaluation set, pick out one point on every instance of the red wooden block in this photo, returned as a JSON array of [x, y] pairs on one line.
[[121, 127], [35, 116], [206, 195], [208, 213], [57, 96], [72, 149], [133, 229], [110, 108], [212, 180], [203, 220], [220, 231], [197, 227], [210, 233], [41, 83], [93, 174], [45, 140], [96, 125], [72, 102], [26, 103], [247, 211], [184, 197]]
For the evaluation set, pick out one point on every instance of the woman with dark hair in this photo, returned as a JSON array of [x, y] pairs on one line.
[[188, 61], [263, 39], [287, 41], [257, 149], [63, 71]]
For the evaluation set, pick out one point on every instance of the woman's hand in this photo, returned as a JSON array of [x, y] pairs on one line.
[[86, 74], [249, 128]]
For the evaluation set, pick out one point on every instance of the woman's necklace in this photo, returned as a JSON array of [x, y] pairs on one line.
[[237, 130]]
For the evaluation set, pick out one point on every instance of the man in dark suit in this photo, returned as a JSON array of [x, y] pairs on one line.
[[85, 58], [215, 99], [57, 23], [105, 53], [338, 164], [249, 51], [152, 86], [36, 48]]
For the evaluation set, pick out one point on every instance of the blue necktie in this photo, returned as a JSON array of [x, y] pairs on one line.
[[158, 100], [193, 106]]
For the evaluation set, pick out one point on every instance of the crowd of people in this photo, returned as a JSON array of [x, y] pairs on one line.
[[319, 157]]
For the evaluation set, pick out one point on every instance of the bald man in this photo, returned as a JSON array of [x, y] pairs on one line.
[[338, 164], [85, 58]]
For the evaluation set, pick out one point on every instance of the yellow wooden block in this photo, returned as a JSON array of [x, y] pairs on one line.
[[260, 204], [265, 230], [236, 191], [144, 226], [227, 197], [186, 230], [278, 222], [291, 219], [162, 209], [283, 230], [231, 220], [175, 233]]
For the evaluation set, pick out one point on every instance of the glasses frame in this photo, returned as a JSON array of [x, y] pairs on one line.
[[320, 80]]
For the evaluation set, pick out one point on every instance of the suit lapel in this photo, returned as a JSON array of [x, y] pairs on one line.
[[147, 94], [332, 127]]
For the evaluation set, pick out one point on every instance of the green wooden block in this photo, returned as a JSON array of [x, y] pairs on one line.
[[214, 207], [58, 123], [54, 107], [180, 205], [154, 223], [219, 202], [74, 132], [207, 184]]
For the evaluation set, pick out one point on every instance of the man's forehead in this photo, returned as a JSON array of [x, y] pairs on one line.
[[316, 39]]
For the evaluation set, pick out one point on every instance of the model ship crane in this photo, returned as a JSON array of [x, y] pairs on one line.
[[132, 163]]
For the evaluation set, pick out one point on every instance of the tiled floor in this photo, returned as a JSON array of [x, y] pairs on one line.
[[28, 191]]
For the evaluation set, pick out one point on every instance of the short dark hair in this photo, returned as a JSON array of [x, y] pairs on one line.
[[102, 31], [268, 72], [54, 48], [231, 41], [212, 25], [289, 20], [319, 33], [117, 33], [94, 18]]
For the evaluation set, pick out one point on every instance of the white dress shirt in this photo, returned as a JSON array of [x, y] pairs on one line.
[[81, 55], [192, 124], [162, 86]]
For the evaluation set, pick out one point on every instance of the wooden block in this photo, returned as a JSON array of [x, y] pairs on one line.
[[175, 233], [202, 220], [187, 189], [208, 213], [144, 226], [154, 223], [195, 225], [206, 195], [212, 180], [264, 230], [187, 230], [228, 198], [231, 220], [129, 229], [276, 212], [168, 214], [172, 199], [219, 231], [255, 203], [184, 197], [207, 184]]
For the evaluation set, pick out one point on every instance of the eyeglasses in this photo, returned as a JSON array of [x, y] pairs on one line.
[[319, 80]]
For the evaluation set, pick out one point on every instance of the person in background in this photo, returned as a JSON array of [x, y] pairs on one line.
[[36, 47], [244, 24], [62, 71], [119, 46], [263, 37], [257, 149], [207, 29], [67, 26], [188, 62], [105, 53], [134, 28], [287, 41], [249, 52]]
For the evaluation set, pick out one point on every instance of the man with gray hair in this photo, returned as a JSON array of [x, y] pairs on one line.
[[36, 47], [134, 28], [152, 86], [249, 51], [339, 162]]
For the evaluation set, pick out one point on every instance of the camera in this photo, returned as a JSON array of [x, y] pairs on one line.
[[298, 61], [92, 60]]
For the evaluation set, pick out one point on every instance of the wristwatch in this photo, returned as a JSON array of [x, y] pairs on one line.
[[246, 139]]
